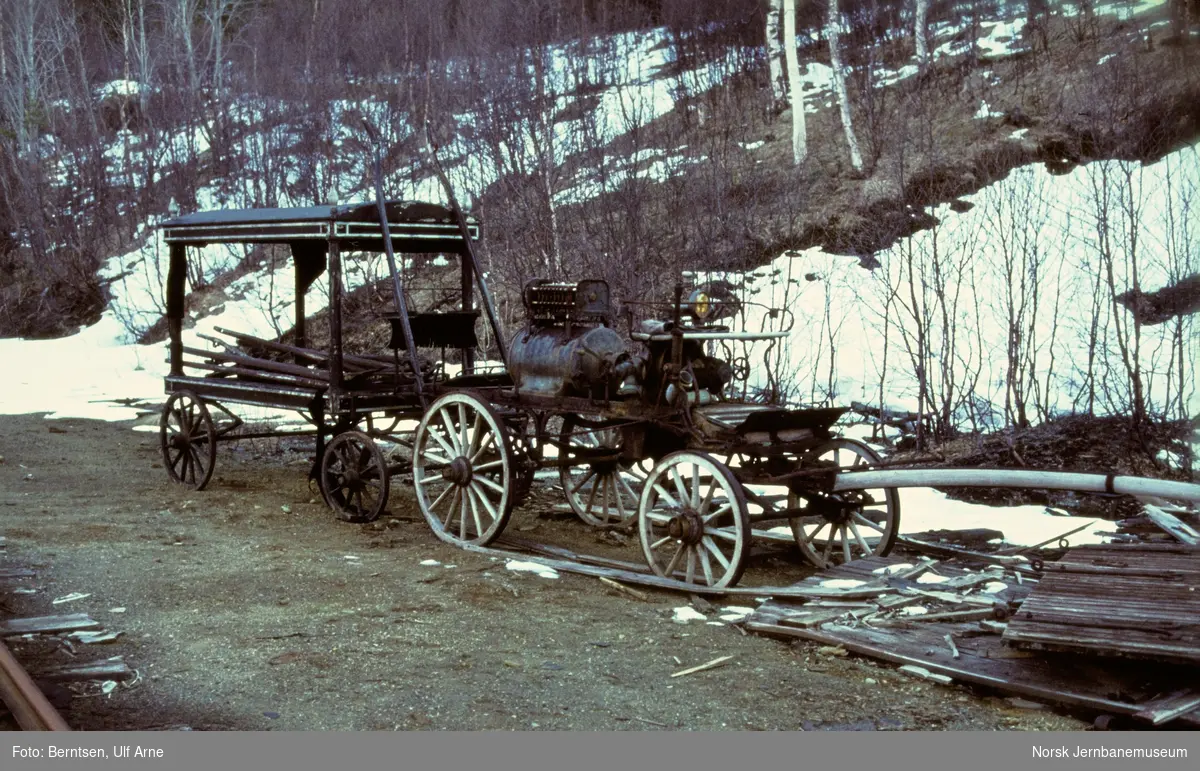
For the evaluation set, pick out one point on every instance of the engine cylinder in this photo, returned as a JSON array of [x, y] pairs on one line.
[[557, 362]]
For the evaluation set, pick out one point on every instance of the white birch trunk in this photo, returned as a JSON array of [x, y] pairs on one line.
[[920, 30], [832, 29], [775, 50], [799, 133]]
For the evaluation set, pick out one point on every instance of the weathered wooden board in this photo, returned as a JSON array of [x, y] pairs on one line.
[[1116, 601], [113, 668], [1077, 681], [47, 624]]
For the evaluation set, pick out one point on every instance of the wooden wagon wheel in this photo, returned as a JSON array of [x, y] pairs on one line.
[[188, 439], [463, 469], [602, 489], [692, 520], [849, 525], [354, 479]]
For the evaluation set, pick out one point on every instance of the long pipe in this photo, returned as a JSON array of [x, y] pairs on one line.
[[29, 706], [1048, 480]]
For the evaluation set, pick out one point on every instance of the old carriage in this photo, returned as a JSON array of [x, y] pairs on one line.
[[347, 397]]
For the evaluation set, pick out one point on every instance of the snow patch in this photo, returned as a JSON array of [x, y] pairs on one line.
[[686, 613], [531, 567]]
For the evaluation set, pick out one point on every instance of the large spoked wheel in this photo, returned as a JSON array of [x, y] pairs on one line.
[[188, 440], [848, 525], [354, 477], [463, 470], [602, 488], [692, 520]]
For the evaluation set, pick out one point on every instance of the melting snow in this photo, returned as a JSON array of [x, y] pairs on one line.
[[842, 583], [686, 613], [532, 567]]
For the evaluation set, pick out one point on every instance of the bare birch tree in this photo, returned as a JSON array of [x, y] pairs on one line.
[[833, 23], [921, 32], [799, 132], [775, 51]]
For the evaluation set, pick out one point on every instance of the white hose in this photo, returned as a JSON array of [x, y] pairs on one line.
[[1046, 480]]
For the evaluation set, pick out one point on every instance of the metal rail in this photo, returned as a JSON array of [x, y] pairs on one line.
[[32, 710]]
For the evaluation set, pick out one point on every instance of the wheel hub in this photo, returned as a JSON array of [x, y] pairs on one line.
[[687, 527], [458, 472]]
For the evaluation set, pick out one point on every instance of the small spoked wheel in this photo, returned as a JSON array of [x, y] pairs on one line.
[[601, 488], [692, 520], [188, 440], [844, 526], [354, 477], [463, 470]]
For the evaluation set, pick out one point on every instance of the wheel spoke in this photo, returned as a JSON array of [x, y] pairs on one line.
[[658, 517], [436, 501], [445, 445], [462, 508], [691, 565], [453, 507], [590, 473], [661, 541], [591, 497], [695, 502], [702, 509], [491, 465], [489, 440], [722, 533], [679, 485], [484, 501], [463, 438], [451, 433], [669, 570], [663, 492], [810, 537], [471, 495], [706, 566], [862, 543], [718, 513], [489, 484], [715, 551], [846, 545]]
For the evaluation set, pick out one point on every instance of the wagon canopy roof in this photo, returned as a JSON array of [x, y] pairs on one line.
[[415, 226]]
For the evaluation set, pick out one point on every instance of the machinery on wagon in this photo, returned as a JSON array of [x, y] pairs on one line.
[[648, 427]]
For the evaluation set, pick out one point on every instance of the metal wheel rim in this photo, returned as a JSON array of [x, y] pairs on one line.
[[599, 496], [354, 477], [880, 519], [686, 483], [462, 427], [188, 440]]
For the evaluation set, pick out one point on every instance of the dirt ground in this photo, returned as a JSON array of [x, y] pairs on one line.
[[248, 606]]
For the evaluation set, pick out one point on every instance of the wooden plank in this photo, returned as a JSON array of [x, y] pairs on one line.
[[1032, 677], [47, 624], [16, 573], [113, 668], [1172, 524], [1169, 707]]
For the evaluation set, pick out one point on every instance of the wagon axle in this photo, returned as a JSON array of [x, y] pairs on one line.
[[687, 527], [458, 472]]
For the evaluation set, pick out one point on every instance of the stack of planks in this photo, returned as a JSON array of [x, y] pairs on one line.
[[1131, 600], [310, 368]]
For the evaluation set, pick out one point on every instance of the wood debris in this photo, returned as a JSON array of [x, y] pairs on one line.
[[702, 667]]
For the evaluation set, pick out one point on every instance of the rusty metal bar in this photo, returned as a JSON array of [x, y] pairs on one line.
[[29, 706]]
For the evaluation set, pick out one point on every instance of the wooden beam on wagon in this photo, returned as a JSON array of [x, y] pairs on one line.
[[1172, 524]]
